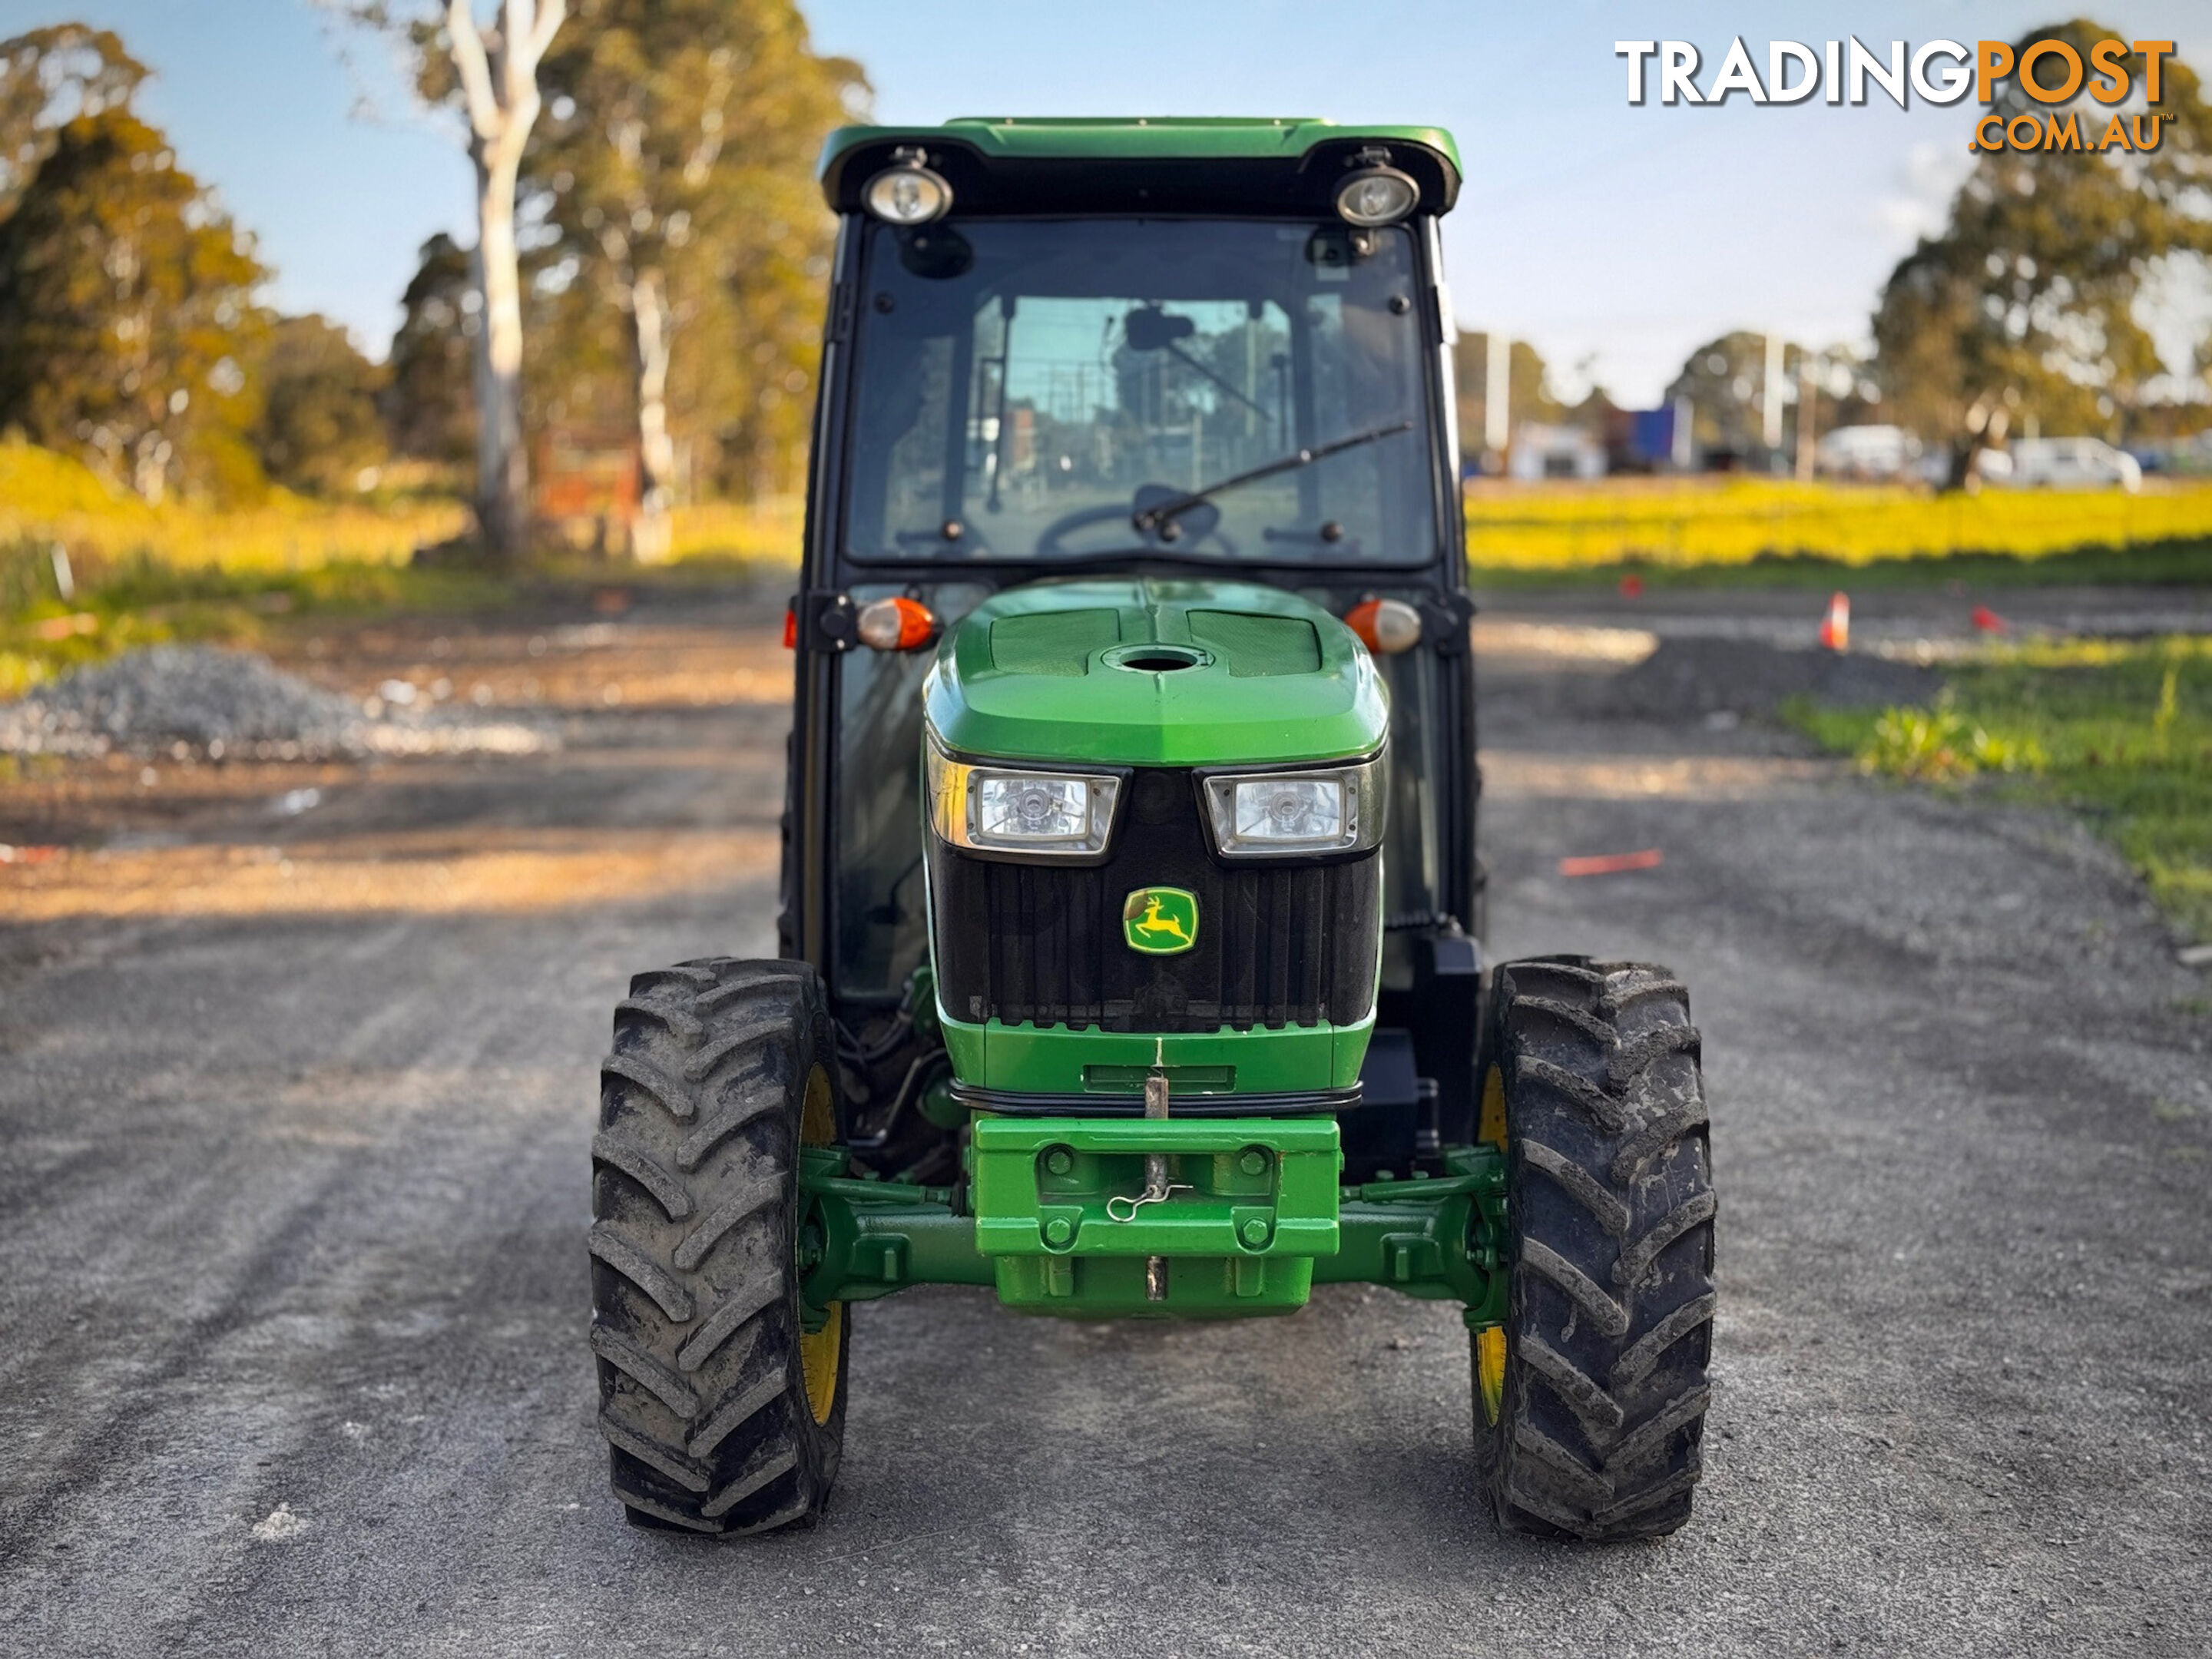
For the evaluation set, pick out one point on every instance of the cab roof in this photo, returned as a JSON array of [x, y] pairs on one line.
[[1000, 165]]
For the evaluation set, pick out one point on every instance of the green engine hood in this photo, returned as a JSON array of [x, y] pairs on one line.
[[1043, 673]]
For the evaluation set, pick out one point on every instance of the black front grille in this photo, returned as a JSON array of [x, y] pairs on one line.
[[1278, 943]]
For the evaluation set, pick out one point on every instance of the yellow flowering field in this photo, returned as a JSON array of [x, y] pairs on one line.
[[1723, 521], [47, 497], [53, 498], [765, 532]]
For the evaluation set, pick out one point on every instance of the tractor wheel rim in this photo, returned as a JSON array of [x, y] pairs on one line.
[[1490, 1345], [818, 1350], [1490, 1372], [1490, 1128]]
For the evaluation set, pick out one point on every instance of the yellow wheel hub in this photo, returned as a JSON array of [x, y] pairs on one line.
[[1492, 1127], [819, 1349], [817, 1362], [1490, 1345], [1489, 1371]]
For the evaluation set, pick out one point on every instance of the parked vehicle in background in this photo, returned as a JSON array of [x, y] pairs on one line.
[[2187, 457], [1555, 451], [1866, 452], [2070, 463], [1993, 466]]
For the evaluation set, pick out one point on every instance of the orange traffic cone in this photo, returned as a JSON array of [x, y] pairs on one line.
[[1836, 626]]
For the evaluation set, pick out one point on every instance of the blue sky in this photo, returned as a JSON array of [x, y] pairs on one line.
[[1615, 239]]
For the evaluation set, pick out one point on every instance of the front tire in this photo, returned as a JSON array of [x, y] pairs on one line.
[[1590, 1401], [724, 1414]]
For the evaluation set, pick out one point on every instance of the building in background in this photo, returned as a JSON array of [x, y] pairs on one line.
[[1649, 440]]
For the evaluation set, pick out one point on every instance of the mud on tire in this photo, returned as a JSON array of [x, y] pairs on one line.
[[712, 1397], [1601, 1415]]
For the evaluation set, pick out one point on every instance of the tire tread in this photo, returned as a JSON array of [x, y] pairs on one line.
[[696, 1317], [1612, 1302]]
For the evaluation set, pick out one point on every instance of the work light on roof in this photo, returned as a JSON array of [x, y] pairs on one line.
[[908, 193], [1376, 196]]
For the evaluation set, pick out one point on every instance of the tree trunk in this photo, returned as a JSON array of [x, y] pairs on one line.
[[149, 468], [499, 86], [502, 463], [1807, 397], [650, 328], [1986, 430]]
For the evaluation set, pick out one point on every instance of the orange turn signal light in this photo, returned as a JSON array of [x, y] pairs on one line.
[[896, 624], [1385, 627]]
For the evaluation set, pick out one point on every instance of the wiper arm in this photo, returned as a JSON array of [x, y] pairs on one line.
[[1160, 513]]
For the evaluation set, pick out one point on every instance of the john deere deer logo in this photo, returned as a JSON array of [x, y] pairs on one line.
[[1160, 921]]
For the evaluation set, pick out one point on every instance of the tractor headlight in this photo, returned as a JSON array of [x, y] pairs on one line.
[[1376, 196], [908, 194], [996, 809], [1337, 810]]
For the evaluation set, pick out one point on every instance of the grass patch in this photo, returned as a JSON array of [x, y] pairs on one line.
[[54, 498], [120, 605], [130, 574], [48, 497], [140, 599], [751, 532], [2118, 730]]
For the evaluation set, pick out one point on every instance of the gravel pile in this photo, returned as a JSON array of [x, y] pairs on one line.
[[234, 705], [1689, 677]]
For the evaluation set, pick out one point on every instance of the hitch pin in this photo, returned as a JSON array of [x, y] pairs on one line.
[[1157, 1187], [1151, 1194]]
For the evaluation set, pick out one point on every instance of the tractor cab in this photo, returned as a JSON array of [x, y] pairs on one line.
[[1142, 432]]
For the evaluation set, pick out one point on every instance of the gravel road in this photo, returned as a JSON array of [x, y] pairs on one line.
[[292, 1190]]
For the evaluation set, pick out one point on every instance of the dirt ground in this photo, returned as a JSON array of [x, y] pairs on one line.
[[297, 1079]]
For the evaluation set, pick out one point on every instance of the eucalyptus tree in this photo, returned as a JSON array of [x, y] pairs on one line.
[[428, 411], [488, 73], [2030, 302], [129, 311], [48, 77], [318, 429], [673, 173]]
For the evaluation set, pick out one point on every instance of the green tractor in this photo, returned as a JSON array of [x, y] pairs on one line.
[[1131, 904]]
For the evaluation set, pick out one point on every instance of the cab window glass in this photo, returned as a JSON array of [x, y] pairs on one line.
[[1026, 387]]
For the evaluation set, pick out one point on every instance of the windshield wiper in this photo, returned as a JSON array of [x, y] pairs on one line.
[[1150, 519]]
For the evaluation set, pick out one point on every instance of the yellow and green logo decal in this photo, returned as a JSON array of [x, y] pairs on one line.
[[1160, 921]]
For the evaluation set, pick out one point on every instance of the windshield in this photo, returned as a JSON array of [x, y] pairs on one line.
[[1039, 389]]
